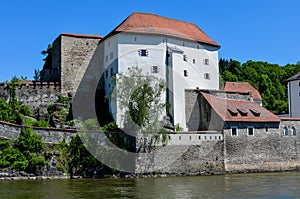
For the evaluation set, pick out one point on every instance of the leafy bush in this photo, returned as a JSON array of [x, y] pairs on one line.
[[12, 157], [28, 142]]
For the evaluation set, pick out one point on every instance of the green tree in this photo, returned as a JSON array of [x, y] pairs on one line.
[[140, 98]]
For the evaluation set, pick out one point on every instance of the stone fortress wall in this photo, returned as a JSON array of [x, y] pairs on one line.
[[33, 94]]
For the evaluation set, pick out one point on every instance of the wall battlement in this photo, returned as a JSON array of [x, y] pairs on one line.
[[33, 94]]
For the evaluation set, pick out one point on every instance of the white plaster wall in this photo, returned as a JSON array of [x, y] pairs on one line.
[[294, 98], [126, 46], [188, 139]]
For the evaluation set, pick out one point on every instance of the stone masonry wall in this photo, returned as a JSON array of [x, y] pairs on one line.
[[76, 55], [204, 158], [49, 135], [267, 150], [33, 94]]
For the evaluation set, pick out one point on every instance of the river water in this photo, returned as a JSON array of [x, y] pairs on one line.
[[267, 185]]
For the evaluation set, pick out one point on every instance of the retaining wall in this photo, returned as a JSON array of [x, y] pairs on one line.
[[49, 135]]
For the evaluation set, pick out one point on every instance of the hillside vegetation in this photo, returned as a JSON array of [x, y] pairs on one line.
[[268, 79]]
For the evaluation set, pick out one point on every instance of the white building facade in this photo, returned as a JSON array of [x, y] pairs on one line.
[[294, 95], [181, 60]]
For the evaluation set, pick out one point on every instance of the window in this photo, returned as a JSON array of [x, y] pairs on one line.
[[267, 128], [183, 44], [206, 61], [299, 94], [154, 69], [190, 137], [285, 131], [143, 53], [234, 131], [206, 76], [250, 131], [299, 84], [135, 39], [185, 73], [179, 137], [198, 47], [106, 74], [111, 55], [199, 137], [106, 58], [185, 58], [293, 131], [194, 61], [112, 71]]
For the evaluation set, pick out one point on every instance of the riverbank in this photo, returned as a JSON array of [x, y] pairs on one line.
[[54, 174]]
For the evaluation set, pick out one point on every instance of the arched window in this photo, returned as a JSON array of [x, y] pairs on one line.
[[285, 131]]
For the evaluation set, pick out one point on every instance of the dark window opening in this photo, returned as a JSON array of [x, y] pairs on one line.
[[185, 73], [143, 53]]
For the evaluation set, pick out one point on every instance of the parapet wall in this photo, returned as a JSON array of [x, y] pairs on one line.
[[33, 94], [49, 135]]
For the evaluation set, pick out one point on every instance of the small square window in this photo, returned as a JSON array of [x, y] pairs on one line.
[[185, 73], [185, 58], [234, 131], [206, 61], [206, 76], [154, 69], [250, 131], [143, 53]]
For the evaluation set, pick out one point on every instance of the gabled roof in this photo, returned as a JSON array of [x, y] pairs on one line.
[[294, 77], [153, 24], [230, 110], [242, 87]]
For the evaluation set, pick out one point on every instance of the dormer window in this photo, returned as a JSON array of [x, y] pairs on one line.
[[243, 112], [143, 53]]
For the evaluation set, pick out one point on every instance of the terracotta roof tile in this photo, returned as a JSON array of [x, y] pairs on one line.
[[82, 35], [242, 87], [154, 24], [239, 111]]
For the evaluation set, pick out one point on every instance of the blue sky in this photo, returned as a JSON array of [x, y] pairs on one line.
[[260, 30]]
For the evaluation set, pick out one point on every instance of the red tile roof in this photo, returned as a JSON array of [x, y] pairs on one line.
[[234, 110], [82, 35], [153, 24], [242, 87]]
